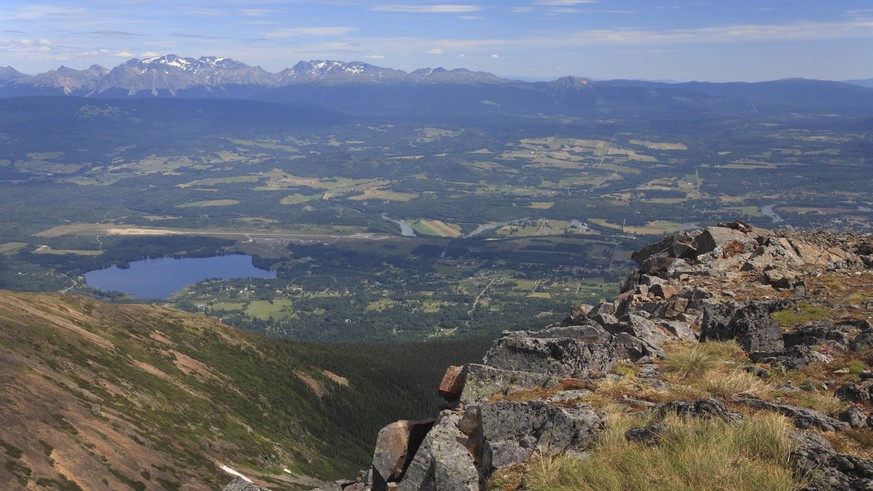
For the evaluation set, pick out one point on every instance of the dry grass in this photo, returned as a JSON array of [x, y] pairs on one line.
[[691, 455], [735, 383], [695, 360]]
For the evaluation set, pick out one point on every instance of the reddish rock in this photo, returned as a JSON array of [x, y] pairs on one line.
[[453, 383], [664, 291]]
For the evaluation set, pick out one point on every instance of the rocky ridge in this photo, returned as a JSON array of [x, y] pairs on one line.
[[798, 305]]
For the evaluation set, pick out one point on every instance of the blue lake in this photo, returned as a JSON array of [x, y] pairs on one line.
[[162, 277]]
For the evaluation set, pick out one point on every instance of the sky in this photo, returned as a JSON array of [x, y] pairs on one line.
[[676, 40]]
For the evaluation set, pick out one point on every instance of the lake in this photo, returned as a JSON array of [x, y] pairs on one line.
[[162, 277]]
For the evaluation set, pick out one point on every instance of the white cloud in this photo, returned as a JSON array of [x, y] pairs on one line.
[[427, 9], [309, 31], [124, 54], [375, 57], [149, 54], [495, 56], [436, 51]]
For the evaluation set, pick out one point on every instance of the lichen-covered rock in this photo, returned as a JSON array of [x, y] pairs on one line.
[[396, 444], [701, 408], [577, 351], [484, 382], [511, 431], [442, 463], [815, 459], [803, 417]]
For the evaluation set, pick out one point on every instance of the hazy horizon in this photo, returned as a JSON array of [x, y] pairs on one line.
[[531, 39]]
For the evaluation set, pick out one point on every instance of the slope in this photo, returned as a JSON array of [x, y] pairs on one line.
[[99, 396]]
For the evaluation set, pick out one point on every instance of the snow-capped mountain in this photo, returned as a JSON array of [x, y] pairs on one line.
[[172, 73], [216, 76], [337, 72]]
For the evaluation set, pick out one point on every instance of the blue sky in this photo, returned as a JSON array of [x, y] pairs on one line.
[[719, 40]]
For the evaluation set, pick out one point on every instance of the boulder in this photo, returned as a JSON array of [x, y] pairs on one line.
[[678, 330], [855, 416], [642, 329], [511, 432], [576, 351], [442, 463], [859, 392], [793, 358], [701, 408], [240, 484], [484, 382], [664, 291], [822, 332], [396, 444], [452, 383], [679, 245], [713, 237], [629, 347], [749, 324], [816, 459], [862, 342], [803, 417]]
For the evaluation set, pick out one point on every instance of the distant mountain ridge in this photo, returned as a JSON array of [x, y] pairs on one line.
[[358, 88], [174, 74]]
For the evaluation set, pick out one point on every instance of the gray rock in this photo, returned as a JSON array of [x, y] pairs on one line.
[[484, 382], [679, 245], [828, 332], [803, 417], [678, 330], [854, 416], [576, 351], [862, 342], [602, 308], [649, 434], [511, 431], [702, 408], [750, 324], [817, 460], [442, 463], [629, 347], [794, 358], [642, 329], [713, 237], [396, 444], [240, 484], [608, 321], [859, 392]]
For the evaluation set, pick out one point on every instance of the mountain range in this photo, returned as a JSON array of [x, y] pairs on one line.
[[173, 75], [364, 89]]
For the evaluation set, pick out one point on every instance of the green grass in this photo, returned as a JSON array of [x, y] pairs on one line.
[[801, 313], [297, 198], [270, 309]]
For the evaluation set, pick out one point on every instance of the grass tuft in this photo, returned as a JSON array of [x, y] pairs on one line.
[[692, 455]]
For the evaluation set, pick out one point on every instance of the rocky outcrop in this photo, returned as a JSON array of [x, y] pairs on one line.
[[826, 469], [750, 325], [532, 393], [510, 432]]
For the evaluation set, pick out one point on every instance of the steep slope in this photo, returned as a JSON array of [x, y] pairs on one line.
[[100, 396]]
